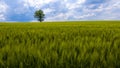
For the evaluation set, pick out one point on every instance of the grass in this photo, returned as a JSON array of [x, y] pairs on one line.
[[85, 44]]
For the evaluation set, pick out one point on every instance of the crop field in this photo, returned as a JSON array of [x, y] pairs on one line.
[[85, 44]]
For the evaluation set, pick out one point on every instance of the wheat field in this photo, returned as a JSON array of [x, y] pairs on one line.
[[76, 44]]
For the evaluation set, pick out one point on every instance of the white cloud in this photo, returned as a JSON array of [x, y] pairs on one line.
[[74, 9], [73, 5], [48, 10], [60, 16], [2, 17], [3, 10], [37, 3], [63, 9], [109, 10], [84, 16], [68, 5]]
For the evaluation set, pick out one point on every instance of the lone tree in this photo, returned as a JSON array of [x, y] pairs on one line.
[[39, 14]]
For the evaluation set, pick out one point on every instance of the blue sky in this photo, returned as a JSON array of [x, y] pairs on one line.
[[59, 10]]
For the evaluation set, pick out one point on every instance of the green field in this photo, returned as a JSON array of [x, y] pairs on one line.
[[85, 44]]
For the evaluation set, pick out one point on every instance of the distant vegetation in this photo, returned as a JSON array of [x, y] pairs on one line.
[[60, 45], [39, 14]]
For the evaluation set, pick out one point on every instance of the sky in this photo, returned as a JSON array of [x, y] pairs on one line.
[[59, 10]]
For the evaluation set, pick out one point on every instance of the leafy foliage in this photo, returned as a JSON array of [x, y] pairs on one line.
[[39, 14]]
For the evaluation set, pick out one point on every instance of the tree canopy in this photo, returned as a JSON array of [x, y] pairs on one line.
[[39, 14]]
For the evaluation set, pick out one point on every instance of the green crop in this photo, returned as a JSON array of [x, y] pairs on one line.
[[87, 44]]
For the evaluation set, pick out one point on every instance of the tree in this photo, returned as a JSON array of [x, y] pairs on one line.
[[39, 14]]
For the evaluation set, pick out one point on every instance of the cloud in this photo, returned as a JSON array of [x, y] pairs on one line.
[[65, 10], [3, 10], [2, 17], [70, 4], [48, 10], [105, 11], [23, 10], [86, 10], [37, 3]]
